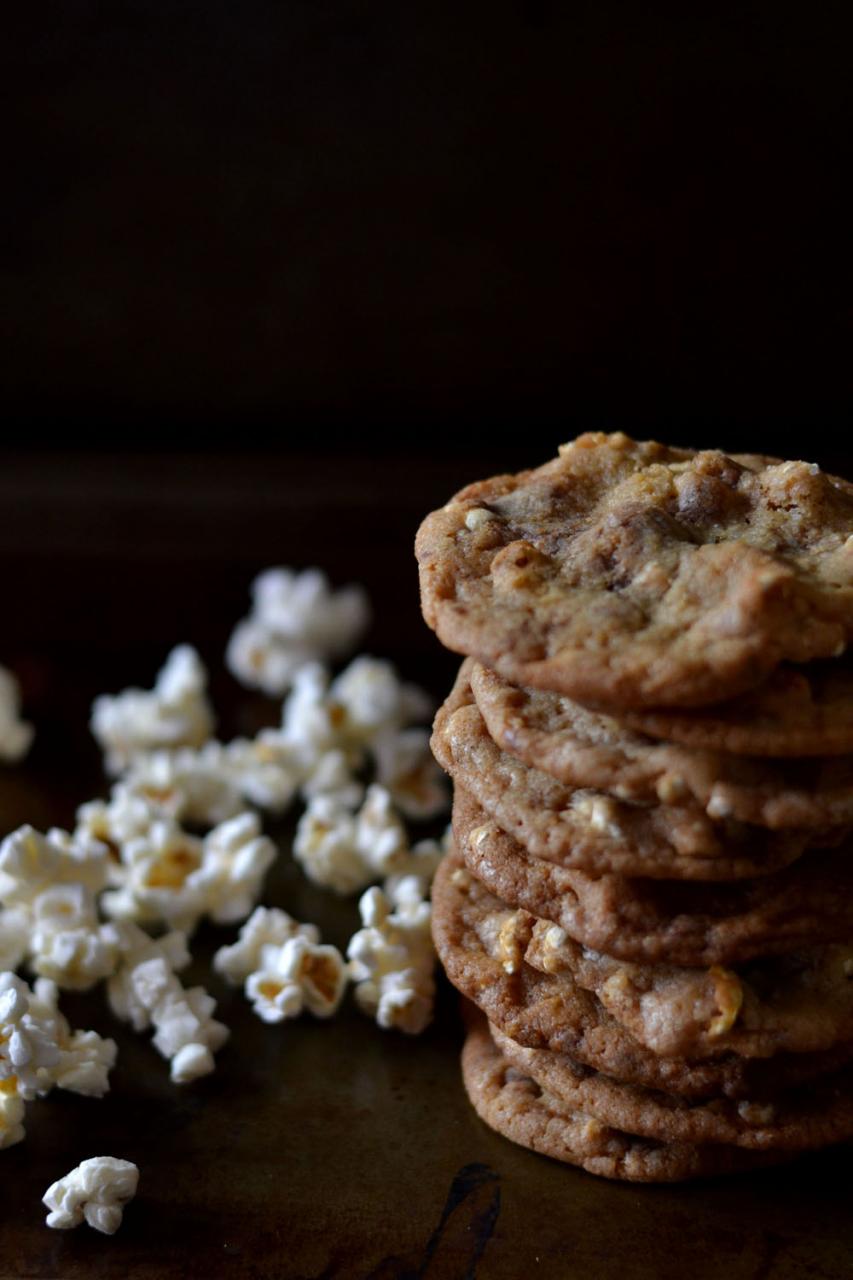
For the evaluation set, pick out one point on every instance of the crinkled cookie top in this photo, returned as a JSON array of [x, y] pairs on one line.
[[630, 574]]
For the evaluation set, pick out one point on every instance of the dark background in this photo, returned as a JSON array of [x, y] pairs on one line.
[[306, 224]]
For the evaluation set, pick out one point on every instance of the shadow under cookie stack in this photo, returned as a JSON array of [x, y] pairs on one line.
[[648, 902]]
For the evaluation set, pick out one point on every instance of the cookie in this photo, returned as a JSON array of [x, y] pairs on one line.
[[589, 749], [481, 944], [797, 711], [814, 1116], [800, 1003], [629, 574], [594, 831], [515, 1106], [683, 922]]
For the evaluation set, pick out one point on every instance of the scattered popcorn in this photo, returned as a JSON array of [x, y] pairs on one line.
[[67, 944], [325, 845], [266, 927], [175, 713], [12, 1111], [299, 975], [14, 936], [407, 768], [31, 862], [263, 770], [311, 723], [15, 735], [344, 851], [332, 774], [174, 878], [97, 1191], [195, 787], [126, 816], [147, 993], [373, 698], [38, 1051], [392, 957], [296, 619]]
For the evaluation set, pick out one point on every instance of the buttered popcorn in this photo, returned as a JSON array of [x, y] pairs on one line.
[[266, 927], [392, 956], [16, 735], [95, 1192], [296, 618], [175, 713]]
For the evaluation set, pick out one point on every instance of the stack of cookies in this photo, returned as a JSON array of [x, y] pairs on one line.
[[649, 898]]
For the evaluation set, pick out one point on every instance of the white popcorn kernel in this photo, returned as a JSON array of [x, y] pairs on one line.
[[264, 770], [299, 975], [296, 619], [236, 857], [373, 698], [311, 723], [14, 936], [191, 1063], [187, 785], [325, 846], [162, 882], [175, 713], [147, 993], [477, 517], [406, 767], [266, 927], [31, 862], [95, 1192], [67, 944], [392, 957], [332, 774], [12, 1111], [16, 735], [380, 836], [27, 1042]]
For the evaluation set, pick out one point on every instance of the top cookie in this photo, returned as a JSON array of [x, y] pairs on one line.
[[635, 575]]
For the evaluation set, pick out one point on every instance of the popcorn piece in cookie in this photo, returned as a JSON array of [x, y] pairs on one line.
[[95, 1192], [16, 735], [300, 974], [296, 618], [175, 713], [266, 927], [392, 957]]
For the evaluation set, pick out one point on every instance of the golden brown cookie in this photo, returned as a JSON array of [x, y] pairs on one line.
[[796, 711], [481, 945], [683, 922], [800, 1003], [630, 574], [594, 831], [517, 1107], [815, 1115], [589, 749]]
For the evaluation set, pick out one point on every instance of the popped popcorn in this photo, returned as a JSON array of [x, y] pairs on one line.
[[96, 1191], [344, 851], [192, 786], [266, 927], [66, 942], [175, 878], [147, 993], [15, 734], [31, 862], [38, 1051], [175, 713], [296, 618], [372, 698], [312, 723], [392, 957], [262, 769], [299, 975], [406, 766]]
